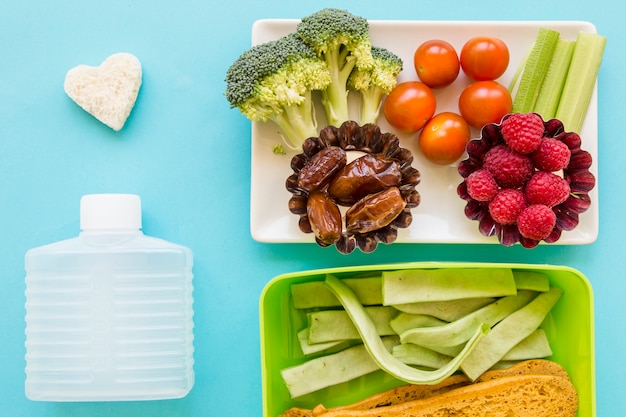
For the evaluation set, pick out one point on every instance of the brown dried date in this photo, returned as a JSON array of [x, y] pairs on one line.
[[324, 217], [365, 175], [375, 211], [321, 168]]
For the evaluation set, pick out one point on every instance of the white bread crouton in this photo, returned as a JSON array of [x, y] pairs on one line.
[[109, 91]]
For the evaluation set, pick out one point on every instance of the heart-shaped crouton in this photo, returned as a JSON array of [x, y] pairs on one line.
[[109, 91]]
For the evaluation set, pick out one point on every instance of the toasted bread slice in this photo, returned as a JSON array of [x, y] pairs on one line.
[[509, 396], [412, 392]]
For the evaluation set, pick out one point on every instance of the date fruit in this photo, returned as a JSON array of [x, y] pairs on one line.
[[321, 168], [375, 211], [324, 217], [368, 174]]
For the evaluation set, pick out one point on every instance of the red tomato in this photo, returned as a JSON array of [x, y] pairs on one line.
[[484, 102], [436, 63], [484, 58], [444, 138], [409, 106]]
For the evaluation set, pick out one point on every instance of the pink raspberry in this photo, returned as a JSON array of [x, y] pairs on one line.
[[522, 131], [546, 188], [509, 168], [481, 185], [552, 155], [507, 205], [536, 221]]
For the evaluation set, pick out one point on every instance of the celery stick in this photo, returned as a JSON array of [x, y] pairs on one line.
[[509, 332], [419, 356], [534, 346], [448, 310], [535, 70], [317, 348], [514, 83], [325, 371], [581, 80], [531, 280], [418, 285], [460, 331], [405, 321], [330, 325], [374, 345], [315, 294], [550, 93]]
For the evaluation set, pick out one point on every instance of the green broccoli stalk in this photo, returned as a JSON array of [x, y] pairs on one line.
[[274, 81], [374, 83], [342, 40]]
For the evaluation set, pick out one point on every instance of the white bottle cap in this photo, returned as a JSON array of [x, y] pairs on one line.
[[110, 211]]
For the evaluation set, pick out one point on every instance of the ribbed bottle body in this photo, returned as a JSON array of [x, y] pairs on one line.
[[109, 319]]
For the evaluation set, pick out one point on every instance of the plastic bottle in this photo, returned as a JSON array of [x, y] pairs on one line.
[[109, 314]]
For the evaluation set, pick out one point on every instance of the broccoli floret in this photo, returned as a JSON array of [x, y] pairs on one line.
[[342, 40], [274, 81], [375, 82]]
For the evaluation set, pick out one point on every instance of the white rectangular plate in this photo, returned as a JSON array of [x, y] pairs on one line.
[[439, 218]]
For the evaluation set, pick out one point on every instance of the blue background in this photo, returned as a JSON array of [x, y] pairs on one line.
[[186, 153]]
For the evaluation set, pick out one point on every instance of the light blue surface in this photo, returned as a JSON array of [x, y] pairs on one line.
[[187, 155]]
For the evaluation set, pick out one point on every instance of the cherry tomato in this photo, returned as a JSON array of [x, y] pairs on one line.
[[484, 102], [484, 58], [436, 63], [409, 106], [444, 137]]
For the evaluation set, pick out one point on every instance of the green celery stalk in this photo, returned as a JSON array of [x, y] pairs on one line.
[[552, 87], [535, 70], [531, 280], [448, 310], [459, 331], [331, 325], [405, 321], [422, 285], [581, 80], [325, 371], [315, 294], [509, 332]]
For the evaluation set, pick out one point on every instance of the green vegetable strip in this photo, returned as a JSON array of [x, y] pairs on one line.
[[552, 87], [333, 369], [379, 352], [405, 321], [534, 346], [448, 310], [535, 70], [516, 76], [419, 356], [531, 280], [315, 348], [315, 294], [460, 331], [329, 325], [418, 285], [581, 80], [509, 332]]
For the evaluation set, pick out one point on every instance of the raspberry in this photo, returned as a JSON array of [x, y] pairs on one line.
[[481, 185], [536, 221], [507, 205], [546, 188], [510, 169], [522, 132], [552, 155]]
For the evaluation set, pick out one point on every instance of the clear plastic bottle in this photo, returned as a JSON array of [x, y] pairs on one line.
[[109, 314]]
